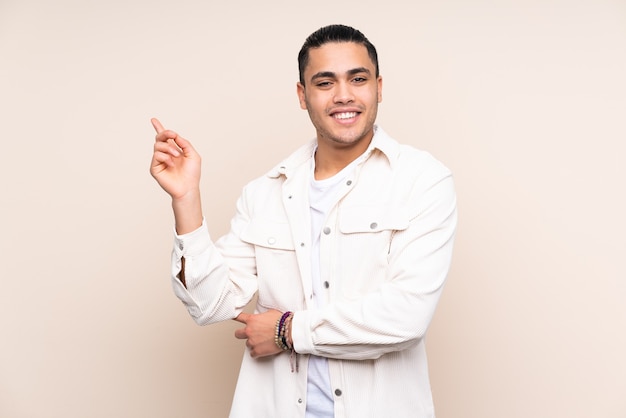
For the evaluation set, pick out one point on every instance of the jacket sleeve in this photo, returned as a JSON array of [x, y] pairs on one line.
[[396, 314], [215, 289]]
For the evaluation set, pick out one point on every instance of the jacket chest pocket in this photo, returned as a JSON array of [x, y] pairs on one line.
[[364, 244], [278, 277]]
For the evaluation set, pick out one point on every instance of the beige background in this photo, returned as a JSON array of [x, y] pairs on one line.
[[524, 100]]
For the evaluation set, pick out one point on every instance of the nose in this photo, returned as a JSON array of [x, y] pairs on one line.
[[343, 93]]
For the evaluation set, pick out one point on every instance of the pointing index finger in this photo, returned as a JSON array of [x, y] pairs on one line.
[[157, 125]]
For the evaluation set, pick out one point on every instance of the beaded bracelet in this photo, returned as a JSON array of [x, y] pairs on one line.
[[282, 336], [285, 334], [277, 339], [279, 336]]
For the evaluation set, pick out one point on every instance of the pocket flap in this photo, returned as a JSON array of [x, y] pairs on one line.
[[372, 219], [269, 234]]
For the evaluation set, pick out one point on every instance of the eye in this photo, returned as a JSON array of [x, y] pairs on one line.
[[323, 84], [359, 80]]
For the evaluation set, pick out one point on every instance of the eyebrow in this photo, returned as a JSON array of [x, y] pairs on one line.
[[330, 74]]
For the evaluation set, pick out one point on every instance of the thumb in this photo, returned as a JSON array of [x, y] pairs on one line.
[[243, 317]]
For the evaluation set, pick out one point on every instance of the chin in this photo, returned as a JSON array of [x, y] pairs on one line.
[[348, 140]]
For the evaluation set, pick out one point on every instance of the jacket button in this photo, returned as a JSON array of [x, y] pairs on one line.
[[271, 240], [327, 230], [326, 285], [300, 400], [349, 182], [373, 225], [338, 392]]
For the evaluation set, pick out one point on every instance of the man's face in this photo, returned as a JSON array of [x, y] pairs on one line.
[[341, 93]]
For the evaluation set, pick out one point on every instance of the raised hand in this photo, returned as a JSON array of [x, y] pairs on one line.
[[175, 163], [176, 167]]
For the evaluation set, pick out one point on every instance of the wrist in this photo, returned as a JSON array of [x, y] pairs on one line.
[[187, 212], [283, 338], [282, 335]]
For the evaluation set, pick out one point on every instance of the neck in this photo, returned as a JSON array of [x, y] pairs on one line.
[[330, 159]]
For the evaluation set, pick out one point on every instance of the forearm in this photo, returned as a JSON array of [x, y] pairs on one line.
[[385, 321], [214, 280], [202, 279]]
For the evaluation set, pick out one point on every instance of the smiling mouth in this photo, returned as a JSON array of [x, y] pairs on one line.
[[345, 115]]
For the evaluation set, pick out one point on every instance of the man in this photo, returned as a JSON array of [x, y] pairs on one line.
[[346, 243]]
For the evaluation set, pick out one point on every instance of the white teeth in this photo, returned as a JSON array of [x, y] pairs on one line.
[[345, 115]]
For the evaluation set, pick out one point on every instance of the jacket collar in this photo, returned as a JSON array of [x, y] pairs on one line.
[[382, 142]]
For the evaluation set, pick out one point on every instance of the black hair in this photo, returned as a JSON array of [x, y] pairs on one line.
[[334, 33]]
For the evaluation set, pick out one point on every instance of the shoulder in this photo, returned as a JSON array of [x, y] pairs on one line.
[[420, 161], [407, 159]]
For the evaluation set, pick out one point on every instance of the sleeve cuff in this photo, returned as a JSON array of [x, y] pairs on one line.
[[300, 332], [192, 243]]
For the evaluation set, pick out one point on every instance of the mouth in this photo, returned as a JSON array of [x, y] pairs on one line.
[[345, 116]]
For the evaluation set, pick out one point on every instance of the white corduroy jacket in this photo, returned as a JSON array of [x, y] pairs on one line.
[[385, 253]]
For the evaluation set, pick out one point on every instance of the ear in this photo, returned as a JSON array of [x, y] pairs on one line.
[[301, 95], [380, 88]]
